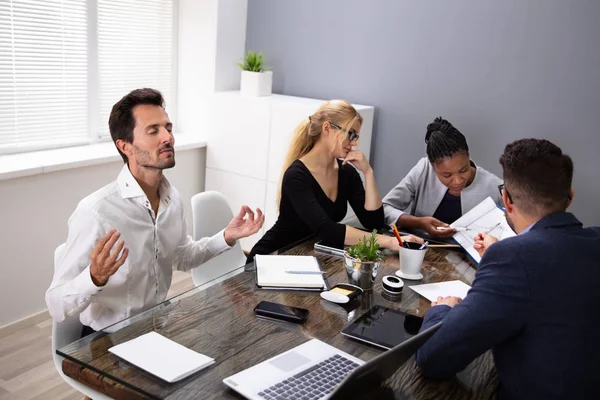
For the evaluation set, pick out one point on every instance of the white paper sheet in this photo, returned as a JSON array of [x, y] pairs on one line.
[[484, 217], [161, 357], [431, 291]]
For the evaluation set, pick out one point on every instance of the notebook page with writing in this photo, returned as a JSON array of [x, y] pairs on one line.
[[271, 271], [484, 217], [161, 357]]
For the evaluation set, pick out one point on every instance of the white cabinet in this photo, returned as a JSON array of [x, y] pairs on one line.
[[247, 142]]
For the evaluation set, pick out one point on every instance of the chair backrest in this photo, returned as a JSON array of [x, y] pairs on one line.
[[64, 333], [211, 213], [67, 331]]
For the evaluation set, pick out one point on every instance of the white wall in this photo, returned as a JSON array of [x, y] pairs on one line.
[[197, 47], [498, 70], [211, 39], [231, 43], [33, 216]]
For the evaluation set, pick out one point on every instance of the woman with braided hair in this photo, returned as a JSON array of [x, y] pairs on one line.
[[442, 186]]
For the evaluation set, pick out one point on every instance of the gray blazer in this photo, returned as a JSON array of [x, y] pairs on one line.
[[421, 192]]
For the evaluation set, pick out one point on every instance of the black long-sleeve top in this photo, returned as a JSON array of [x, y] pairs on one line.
[[305, 209]]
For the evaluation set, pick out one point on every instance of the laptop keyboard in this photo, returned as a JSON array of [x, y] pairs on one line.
[[312, 383]]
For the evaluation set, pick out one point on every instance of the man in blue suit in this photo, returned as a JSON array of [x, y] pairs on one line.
[[535, 298]]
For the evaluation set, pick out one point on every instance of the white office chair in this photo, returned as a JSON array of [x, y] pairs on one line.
[[211, 213], [64, 333]]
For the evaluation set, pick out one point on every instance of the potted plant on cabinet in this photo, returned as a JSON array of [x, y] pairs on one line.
[[257, 79], [362, 261]]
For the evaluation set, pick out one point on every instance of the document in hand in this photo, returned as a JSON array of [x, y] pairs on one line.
[[431, 291], [288, 272], [161, 357], [485, 217]]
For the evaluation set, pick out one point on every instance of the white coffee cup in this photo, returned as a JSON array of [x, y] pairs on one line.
[[411, 258]]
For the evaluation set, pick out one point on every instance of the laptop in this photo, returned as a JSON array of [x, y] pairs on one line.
[[316, 370]]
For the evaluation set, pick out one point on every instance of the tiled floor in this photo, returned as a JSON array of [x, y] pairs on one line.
[[26, 368]]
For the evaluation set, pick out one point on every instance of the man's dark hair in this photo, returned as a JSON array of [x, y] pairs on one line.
[[444, 140], [537, 175], [121, 121]]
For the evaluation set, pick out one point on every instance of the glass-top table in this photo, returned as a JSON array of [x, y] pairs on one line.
[[217, 319]]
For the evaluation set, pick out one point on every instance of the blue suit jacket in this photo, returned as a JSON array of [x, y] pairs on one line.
[[534, 302]]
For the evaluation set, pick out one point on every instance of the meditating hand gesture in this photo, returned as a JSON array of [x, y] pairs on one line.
[[243, 225], [106, 258]]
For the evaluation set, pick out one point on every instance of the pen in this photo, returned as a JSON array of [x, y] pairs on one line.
[[457, 229], [494, 227], [423, 246], [305, 272]]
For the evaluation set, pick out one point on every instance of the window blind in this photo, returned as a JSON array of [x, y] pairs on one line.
[[64, 63], [43, 74], [135, 50]]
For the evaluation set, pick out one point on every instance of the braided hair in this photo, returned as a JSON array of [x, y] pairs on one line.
[[444, 140]]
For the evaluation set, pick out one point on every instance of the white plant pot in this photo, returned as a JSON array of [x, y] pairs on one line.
[[256, 83]]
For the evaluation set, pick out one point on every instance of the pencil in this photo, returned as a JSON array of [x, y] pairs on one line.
[[397, 234]]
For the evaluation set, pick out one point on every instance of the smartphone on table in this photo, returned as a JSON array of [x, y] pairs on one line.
[[272, 310]]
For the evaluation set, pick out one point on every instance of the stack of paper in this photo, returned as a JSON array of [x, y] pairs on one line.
[[486, 217], [161, 357], [288, 272], [431, 291]]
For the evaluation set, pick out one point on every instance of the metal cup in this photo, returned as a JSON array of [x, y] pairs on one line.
[[361, 273]]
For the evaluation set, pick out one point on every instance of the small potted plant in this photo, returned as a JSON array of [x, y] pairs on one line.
[[362, 261], [257, 79]]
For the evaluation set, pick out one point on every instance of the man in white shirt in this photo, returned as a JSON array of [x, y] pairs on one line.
[[125, 239]]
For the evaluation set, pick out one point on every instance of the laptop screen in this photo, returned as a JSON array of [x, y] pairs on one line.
[[384, 327]]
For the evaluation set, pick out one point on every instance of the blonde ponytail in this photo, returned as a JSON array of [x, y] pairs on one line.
[[308, 132]]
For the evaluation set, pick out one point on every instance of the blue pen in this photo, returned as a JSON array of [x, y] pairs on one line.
[[306, 272]]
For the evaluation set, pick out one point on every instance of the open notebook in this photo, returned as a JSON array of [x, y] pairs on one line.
[[289, 272], [162, 357], [484, 217]]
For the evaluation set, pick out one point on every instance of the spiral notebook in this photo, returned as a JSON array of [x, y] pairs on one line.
[[289, 272]]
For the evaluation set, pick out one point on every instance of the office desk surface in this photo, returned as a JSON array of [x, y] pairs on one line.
[[219, 321]]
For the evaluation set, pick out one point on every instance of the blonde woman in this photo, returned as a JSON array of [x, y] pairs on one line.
[[319, 181]]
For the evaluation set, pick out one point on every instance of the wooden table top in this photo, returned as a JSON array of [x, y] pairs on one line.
[[219, 321]]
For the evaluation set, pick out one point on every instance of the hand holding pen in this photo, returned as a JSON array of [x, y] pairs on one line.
[[482, 242]]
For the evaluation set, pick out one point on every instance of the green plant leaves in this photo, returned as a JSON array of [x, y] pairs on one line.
[[254, 62], [366, 249]]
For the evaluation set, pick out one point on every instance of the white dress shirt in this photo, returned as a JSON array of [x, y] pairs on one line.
[[156, 243]]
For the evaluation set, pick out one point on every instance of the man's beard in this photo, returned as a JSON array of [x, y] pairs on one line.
[[144, 160]]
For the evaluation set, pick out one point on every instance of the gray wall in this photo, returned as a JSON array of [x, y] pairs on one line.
[[498, 70]]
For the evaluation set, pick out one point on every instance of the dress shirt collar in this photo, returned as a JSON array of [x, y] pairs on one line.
[[527, 229], [130, 188]]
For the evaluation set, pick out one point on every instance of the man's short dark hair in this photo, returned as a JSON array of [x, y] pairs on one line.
[[537, 175], [444, 140], [121, 121]]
